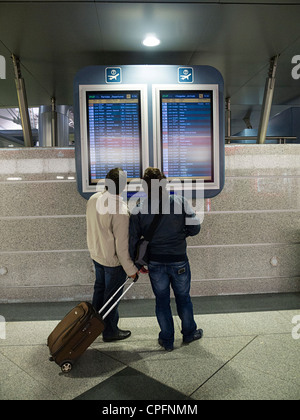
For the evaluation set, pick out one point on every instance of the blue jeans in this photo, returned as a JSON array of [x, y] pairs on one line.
[[108, 280], [178, 275]]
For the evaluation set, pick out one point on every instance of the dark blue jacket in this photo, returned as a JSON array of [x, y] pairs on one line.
[[169, 241]]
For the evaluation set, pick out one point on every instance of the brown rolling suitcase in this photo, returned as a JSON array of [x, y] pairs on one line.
[[77, 331]]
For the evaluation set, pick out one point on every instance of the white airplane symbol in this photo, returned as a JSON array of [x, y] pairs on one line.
[[186, 76], [111, 77]]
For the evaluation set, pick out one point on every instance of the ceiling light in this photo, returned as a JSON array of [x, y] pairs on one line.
[[151, 41]]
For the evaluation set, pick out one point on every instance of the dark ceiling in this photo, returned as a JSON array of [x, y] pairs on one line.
[[54, 39]]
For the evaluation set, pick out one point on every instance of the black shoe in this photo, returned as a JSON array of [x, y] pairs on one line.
[[167, 348], [121, 335], [197, 335]]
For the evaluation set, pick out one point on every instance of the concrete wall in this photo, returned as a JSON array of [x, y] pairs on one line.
[[44, 257]]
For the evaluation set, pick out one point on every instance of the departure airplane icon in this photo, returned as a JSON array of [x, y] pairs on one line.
[[185, 76], [113, 77]]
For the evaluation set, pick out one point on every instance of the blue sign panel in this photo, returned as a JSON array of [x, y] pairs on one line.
[[185, 75], [113, 75]]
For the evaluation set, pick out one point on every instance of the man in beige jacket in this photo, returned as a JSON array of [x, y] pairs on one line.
[[107, 218]]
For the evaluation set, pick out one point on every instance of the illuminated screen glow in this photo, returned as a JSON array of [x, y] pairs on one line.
[[114, 133], [187, 134]]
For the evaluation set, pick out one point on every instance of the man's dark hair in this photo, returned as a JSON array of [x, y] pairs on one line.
[[119, 178]]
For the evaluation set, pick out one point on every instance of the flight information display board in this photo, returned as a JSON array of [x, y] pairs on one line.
[[135, 116], [113, 133], [187, 134]]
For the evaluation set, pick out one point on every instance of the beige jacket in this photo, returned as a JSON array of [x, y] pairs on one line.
[[107, 219]]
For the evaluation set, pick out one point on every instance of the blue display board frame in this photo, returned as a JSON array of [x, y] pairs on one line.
[[150, 75]]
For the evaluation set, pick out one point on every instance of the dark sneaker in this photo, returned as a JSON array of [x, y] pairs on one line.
[[121, 335], [166, 347], [197, 335]]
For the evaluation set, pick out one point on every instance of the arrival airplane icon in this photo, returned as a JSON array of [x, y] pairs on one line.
[[113, 76], [186, 75]]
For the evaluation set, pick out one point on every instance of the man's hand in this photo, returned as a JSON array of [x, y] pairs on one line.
[[144, 270], [134, 276]]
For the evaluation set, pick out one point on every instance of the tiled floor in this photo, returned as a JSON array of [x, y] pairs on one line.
[[247, 352]]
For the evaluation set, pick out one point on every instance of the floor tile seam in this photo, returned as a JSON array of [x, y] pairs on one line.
[[39, 383], [152, 380], [21, 345], [24, 370], [235, 323], [285, 318], [242, 331], [224, 364], [156, 380], [268, 334], [43, 384], [265, 373], [281, 314], [100, 382], [265, 335], [229, 317], [7, 356], [255, 367], [11, 361], [130, 365], [111, 357]]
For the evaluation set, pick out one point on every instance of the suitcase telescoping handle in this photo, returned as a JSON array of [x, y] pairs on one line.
[[124, 293]]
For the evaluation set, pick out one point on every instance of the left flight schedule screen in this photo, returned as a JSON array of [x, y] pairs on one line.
[[114, 133]]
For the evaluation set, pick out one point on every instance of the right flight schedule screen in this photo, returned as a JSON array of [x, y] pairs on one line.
[[187, 134]]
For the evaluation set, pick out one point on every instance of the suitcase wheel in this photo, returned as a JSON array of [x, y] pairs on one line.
[[51, 359], [66, 367]]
